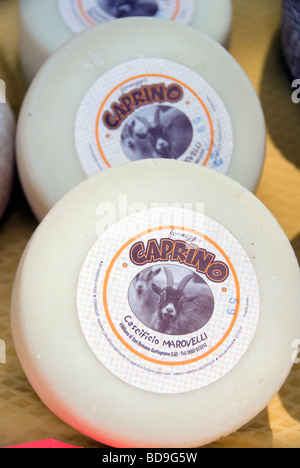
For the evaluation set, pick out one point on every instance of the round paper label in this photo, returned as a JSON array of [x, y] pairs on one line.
[[81, 14], [168, 300], [152, 108]]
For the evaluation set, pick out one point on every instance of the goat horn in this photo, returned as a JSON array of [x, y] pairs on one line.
[[144, 121], [170, 279], [157, 116], [184, 282]]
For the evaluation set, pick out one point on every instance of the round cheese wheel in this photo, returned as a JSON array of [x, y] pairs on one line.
[[97, 103], [181, 375], [290, 36], [46, 24], [7, 160]]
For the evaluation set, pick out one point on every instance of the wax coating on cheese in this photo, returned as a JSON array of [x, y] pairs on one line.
[[230, 116], [56, 356], [7, 153], [46, 24]]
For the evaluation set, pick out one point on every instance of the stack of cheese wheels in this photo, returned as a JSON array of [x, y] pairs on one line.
[[47, 24], [164, 91], [7, 145], [181, 375]]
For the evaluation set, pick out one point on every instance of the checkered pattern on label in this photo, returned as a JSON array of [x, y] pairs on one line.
[[124, 338], [196, 129]]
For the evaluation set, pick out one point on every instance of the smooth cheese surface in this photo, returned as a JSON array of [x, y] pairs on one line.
[[42, 27], [47, 155], [57, 358], [7, 153]]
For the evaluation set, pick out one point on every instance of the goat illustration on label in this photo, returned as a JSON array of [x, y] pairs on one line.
[[160, 131], [152, 108], [151, 303], [125, 8], [167, 306]]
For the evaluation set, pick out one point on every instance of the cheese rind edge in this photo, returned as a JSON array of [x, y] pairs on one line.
[[61, 366]]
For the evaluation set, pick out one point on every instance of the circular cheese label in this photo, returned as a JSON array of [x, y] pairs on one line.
[[152, 108], [168, 300], [81, 14]]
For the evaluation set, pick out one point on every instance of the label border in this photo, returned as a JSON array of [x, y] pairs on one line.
[[92, 23], [149, 75]]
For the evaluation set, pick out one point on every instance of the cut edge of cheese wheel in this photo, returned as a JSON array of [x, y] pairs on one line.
[[47, 156], [58, 359]]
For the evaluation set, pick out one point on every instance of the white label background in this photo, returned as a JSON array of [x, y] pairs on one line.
[[81, 14], [104, 310], [99, 148]]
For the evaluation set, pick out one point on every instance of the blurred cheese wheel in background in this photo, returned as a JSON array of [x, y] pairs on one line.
[[47, 24], [85, 303], [7, 153], [290, 36], [164, 91]]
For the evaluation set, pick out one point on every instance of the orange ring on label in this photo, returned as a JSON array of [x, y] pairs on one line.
[[92, 23], [120, 338], [85, 16], [160, 76], [176, 11]]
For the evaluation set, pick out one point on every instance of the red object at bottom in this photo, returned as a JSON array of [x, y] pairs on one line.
[[50, 443]]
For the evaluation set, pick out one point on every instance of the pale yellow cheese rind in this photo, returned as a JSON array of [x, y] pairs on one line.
[[64, 371], [42, 29], [47, 158]]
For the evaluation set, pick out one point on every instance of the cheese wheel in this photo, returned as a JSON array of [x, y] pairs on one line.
[[97, 103], [7, 140], [46, 24], [107, 370], [290, 36]]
